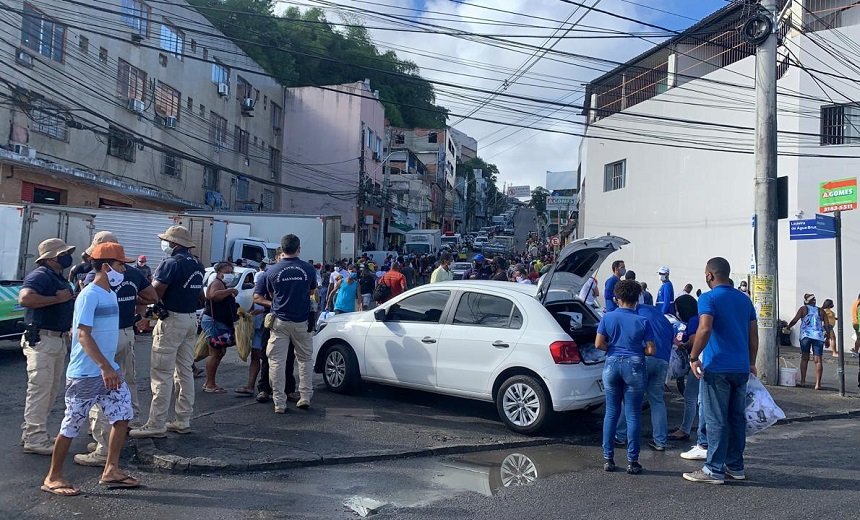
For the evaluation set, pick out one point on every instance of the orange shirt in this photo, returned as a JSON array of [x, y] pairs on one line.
[[854, 311], [396, 281]]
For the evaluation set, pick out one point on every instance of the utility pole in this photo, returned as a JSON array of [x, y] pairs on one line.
[[360, 236], [765, 279]]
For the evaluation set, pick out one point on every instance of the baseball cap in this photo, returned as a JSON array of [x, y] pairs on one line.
[[663, 270], [141, 258]]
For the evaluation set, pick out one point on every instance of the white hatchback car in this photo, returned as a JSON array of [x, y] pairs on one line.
[[528, 349]]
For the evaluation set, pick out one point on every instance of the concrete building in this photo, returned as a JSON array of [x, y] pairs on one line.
[[127, 103], [335, 135], [467, 147], [668, 163], [410, 188]]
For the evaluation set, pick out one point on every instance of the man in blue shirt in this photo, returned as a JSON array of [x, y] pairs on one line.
[[727, 341], [618, 272], [666, 294], [656, 368], [286, 290]]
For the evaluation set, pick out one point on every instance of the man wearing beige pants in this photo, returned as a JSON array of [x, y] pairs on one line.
[[285, 289], [134, 290], [178, 281], [47, 297]]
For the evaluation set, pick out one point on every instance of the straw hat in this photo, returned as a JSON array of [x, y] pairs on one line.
[[100, 238], [52, 248], [178, 235], [110, 251]]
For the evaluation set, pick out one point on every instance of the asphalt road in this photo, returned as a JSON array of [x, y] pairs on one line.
[[524, 223]]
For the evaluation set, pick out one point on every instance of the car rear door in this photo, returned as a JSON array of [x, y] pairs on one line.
[[482, 331], [402, 348]]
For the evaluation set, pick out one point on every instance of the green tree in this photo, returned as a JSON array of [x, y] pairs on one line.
[[538, 200], [302, 48]]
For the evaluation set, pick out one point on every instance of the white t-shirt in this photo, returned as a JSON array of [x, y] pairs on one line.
[[586, 294]]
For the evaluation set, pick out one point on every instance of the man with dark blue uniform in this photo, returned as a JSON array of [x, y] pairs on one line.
[[286, 290], [178, 281], [47, 296]]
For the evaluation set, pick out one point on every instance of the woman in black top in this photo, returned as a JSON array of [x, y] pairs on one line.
[[219, 317]]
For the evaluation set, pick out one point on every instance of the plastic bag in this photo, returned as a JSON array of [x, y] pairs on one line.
[[244, 328], [761, 412], [201, 347], [679, 363]]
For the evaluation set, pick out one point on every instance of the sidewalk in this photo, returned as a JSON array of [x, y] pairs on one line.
[[235, 433]]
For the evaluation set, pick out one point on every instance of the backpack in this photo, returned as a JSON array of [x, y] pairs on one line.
[[381, 292]]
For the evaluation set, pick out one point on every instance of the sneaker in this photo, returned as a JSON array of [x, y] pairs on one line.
[[91, 447], [735, 475], [609, 465], [634, 468], [304, 404], [619, 443], [280, 409], [294, 397], [262, 397], [704, 478], [148, 432], [696, 453], [656, 447], [176, 427], [90, 459], [39, 448]]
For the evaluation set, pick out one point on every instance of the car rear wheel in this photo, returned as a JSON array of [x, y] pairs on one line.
[[523, 404], [340, 369]]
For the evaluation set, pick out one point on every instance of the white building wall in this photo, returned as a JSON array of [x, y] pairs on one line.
[[682, 206]]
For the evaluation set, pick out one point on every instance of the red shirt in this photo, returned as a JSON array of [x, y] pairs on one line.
[[396, 281]]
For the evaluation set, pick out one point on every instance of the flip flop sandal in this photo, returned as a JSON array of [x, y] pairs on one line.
[[127, 482], [216, 390], [244, 391], [55, 490]]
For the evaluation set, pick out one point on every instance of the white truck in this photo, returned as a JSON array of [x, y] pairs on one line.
[[256, 236], [423, 241], [452, 241]]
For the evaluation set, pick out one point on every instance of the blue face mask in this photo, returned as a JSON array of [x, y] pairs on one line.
[[354, 276], [65, 261]]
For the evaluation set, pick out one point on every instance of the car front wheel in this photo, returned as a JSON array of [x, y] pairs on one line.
[[340, 369], [523, 404]]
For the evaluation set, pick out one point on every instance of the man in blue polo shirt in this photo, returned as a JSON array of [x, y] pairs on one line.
[[285, 290], [727, 340], [618, 272]]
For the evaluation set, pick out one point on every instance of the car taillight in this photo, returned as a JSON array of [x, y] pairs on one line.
[[565, 353]]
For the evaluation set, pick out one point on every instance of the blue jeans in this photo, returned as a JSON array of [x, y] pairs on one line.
[[623, 380], [693, 404], [655, 370], [724, 399]]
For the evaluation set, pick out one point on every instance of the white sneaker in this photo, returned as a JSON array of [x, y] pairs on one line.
[[696, 453], [148, 432], [90, 459]]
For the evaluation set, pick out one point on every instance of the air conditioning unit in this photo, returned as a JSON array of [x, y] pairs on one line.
[[169, 122], [223, 89], [24, 58], [248, 104], [136, 37], [23, 149], [136, 105]]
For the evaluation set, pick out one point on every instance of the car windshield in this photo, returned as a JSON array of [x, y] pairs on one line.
[[461, 266]]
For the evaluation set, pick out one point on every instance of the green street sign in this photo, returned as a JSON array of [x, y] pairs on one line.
[[838, 195]]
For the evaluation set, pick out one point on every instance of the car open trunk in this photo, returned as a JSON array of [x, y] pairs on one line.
[[580, 323]]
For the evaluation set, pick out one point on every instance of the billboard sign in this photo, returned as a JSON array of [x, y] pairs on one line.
[[839, 195], [554, 202], [519, 191]]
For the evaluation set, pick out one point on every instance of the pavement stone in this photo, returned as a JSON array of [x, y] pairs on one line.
[[233, 433]]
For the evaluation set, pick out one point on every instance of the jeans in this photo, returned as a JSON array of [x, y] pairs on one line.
[[723, 403], [656, 370], [623, 380], [691, 402]]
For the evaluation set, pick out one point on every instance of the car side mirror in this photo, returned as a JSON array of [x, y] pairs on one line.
[[379, 314]]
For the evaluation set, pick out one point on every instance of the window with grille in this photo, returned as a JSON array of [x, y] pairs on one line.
[[267, 199], [277, 118], [242, 186], [120, 144], [83, 44], [275, 162], [172, 40], [167, 100], [131, 81], [840, 124], [243, 88], [49, 119], [217, 130], [210, 178], [615, 176], [241, 140], [171, 165], [42, 34], [136, 15]]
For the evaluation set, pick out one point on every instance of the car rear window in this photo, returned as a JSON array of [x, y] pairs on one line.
[[485, 310]]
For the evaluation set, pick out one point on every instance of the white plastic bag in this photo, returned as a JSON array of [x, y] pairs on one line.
[[761, 412], [679, 363]]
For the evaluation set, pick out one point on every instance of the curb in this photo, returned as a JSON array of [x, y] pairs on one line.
[[801, 418], [156, 460]]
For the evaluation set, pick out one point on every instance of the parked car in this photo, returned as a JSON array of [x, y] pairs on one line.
[[495, 247], [479, 242], [460, 269], [528, 349]]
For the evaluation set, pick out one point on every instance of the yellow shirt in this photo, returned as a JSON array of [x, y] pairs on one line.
[[831, 317], [440, 274]]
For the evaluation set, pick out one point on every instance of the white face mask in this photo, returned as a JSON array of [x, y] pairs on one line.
[[115, 278], [228, 278], [165, 246]]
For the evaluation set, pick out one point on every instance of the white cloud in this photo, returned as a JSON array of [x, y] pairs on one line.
[[523, 156]]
